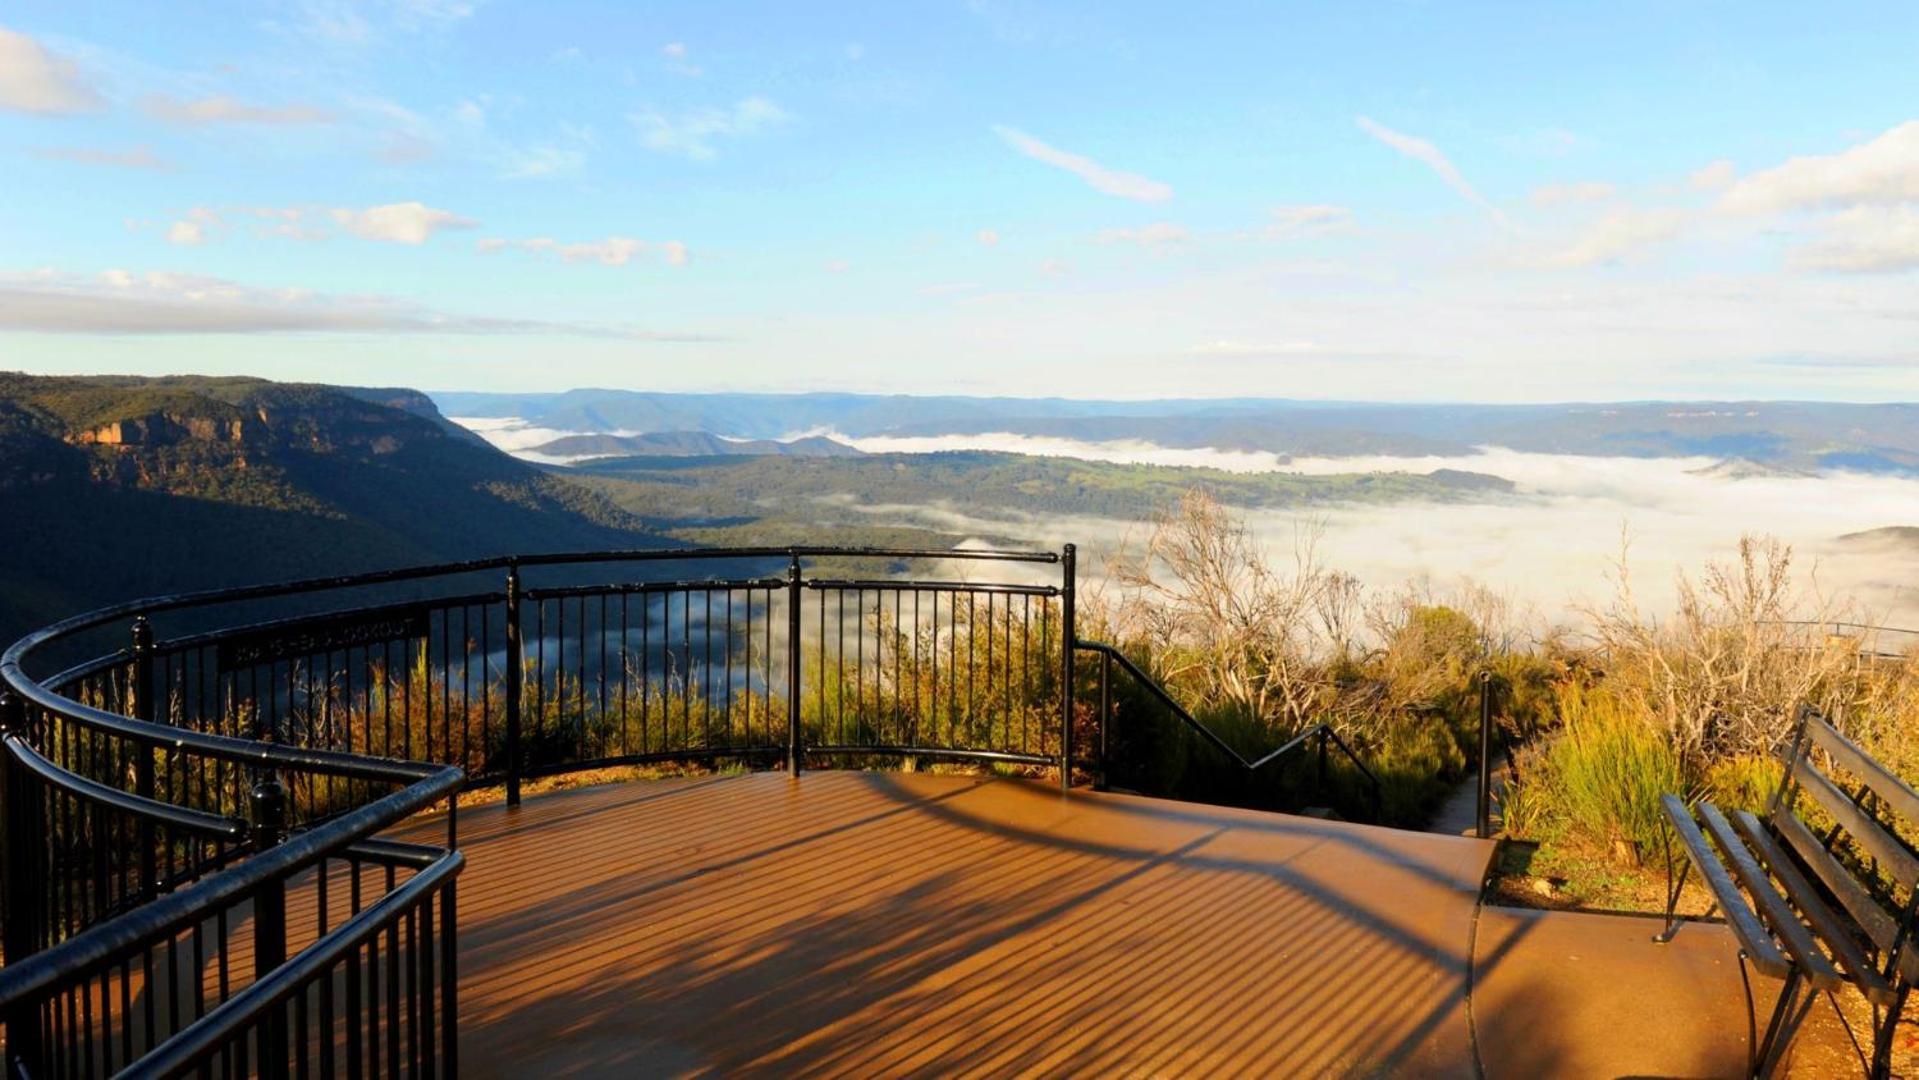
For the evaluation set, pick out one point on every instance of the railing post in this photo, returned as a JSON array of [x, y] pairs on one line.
[[795, 753], [1105, 716], [269, 813], [1069, 643], [1484, 809], [140, 705], [515, 656], [1320, 780], [20, 802]]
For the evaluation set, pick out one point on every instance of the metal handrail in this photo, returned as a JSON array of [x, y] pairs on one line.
[[33, 972], [10, 660], [101, 945], [1321, 731], [179, 818], [179, 1054]]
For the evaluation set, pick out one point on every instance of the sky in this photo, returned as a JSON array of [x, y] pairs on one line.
[[1386, 201]]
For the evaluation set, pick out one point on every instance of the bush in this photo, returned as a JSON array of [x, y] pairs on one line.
[[1601, 780]]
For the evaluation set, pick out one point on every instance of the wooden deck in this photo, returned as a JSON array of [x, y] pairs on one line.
[[883, 924]]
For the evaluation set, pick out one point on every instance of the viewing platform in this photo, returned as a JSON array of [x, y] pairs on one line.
[[883, 924], [895, 850]]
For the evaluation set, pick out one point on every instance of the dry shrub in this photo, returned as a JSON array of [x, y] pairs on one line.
[[1726, 674], [1261, 649]]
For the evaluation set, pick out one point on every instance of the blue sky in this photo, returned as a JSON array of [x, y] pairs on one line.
[[1389, 201]]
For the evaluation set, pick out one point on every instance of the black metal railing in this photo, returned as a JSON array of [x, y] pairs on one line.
[[1319, 738], [195, 876]]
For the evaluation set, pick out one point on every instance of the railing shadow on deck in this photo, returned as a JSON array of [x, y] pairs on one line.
[[917, 890]]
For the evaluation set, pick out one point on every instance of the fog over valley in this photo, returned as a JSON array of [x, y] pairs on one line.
[[1548, 533]]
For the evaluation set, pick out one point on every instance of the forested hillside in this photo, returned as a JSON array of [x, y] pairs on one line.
[[112, 488]]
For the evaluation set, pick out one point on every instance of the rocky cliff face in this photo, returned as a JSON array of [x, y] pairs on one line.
[[168, 446], [161, 429]]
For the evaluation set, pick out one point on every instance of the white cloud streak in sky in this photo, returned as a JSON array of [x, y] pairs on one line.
[[1619, 234], [410, 223], [137, 158], [1433, 158], [612, 251], [1124, 185], [202, 112], [692, 134], [166, 303]]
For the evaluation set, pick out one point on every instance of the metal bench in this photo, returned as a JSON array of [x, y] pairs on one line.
[[1816, 910]]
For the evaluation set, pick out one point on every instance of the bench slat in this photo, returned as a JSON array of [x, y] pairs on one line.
[[1894, 791], [1865, 909], [1860, 825], [1761, 950], [1836, 932], [1779, 916]]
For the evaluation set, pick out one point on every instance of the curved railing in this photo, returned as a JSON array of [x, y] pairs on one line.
[[196, 874]]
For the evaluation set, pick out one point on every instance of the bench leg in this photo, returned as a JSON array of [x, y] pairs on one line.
[[1882, 1037], [1795, 1002], [1673, 887]]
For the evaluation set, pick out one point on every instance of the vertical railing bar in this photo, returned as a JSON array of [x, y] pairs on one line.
[[793, 661]]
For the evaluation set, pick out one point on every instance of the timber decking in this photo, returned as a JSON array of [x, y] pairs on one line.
[[885, 923]]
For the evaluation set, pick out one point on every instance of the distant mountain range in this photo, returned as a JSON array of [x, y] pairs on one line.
[[689, 444], [1786, 435]]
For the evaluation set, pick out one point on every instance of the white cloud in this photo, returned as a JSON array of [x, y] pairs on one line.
[[1227, 349], [837, 266], [542, 161], [366, 22], [1583, 191], [1122, 184], [1158, 234], [1618, 234], [612, 251], [33, 80], [228, 110], [137, 158], [1715, 176], [1433, 158], [1304, 218], [159, 302], [1884, 170], [399, 223], [676, 59], [1866, 239], [192, 228], [692, 134], [987, 237]]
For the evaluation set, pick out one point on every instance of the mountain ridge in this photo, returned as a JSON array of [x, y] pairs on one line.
[[1792, 435]]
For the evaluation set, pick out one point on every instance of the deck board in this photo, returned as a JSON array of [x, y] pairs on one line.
[[890, 924]]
